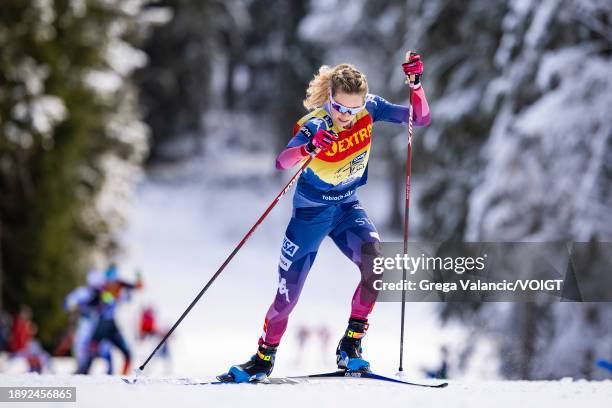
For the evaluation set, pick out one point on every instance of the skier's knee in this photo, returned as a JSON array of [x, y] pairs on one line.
[[371, 249], [369, 252]]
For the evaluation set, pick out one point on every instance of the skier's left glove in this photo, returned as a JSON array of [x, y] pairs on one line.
[[413, 69]]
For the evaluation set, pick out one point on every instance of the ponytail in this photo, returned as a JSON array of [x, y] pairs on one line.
[[341, 78]]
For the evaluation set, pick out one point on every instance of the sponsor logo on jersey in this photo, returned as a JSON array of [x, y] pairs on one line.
[[289, 247], [345, 162], [282, 289], [363, 221], [329, 121], [359, 157], [347, 172], [306, 132], [339, 197], [350, 141], [284, 263]]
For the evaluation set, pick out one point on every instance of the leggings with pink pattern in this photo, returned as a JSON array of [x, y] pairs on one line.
[[348, 225]]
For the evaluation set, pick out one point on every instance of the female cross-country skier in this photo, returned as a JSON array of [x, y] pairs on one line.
[[337, 133]]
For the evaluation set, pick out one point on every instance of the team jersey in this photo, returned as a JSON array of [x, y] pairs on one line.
[[333, 176]]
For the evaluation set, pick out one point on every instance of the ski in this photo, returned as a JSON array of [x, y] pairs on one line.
[[367, 375], [341, 374], [192, 381]]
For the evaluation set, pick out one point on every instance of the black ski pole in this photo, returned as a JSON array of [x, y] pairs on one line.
[[227, 261]]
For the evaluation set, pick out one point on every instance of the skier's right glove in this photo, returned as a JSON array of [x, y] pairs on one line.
[[321, 141], [413, 69]]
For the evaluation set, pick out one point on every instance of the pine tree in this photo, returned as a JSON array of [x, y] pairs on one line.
[[68, 134]]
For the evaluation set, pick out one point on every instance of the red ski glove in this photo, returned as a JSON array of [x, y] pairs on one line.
[[414, 67], [322, 140]]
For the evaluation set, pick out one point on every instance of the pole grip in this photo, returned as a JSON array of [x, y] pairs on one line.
[[409, 78]]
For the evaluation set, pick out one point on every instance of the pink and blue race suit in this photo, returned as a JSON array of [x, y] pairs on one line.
[[325, 204]]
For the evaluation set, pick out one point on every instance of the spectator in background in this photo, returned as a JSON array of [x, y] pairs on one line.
[[303, 334], [22, 343], [148, 329], [147, 326], [22, 330], [325, 337]]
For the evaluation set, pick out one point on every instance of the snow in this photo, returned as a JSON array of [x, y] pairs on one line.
[[44, 112], [104, 391], [448, 109], [124, 58], [156, 15], [106, 81]]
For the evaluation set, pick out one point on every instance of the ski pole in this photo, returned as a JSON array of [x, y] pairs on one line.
[[406, 210], [229, 258]]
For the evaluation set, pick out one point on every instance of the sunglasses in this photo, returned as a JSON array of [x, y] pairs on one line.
[[344, 109]]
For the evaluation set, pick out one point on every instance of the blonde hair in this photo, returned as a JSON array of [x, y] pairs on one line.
[[341, 78]]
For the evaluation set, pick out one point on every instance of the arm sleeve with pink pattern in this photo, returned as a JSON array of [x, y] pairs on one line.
[[290, 156], [385, 111]]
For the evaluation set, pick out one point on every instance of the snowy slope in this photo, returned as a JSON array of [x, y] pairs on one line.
[[103, 391]]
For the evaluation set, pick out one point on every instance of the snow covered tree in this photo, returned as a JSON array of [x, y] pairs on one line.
[[521, 146], [547, 174]]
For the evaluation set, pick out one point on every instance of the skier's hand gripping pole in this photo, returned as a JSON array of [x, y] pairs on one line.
[[229, 258]]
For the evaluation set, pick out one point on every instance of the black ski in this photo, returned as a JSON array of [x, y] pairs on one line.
[[367, 375], [191, 381], [341, 374]]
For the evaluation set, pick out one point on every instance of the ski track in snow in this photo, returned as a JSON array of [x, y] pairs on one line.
[[105, 391]]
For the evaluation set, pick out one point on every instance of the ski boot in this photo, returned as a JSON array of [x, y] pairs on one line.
[[348, 353], [257, 369]]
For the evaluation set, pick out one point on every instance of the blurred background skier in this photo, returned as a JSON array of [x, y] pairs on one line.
[[83, 305], [114, 291], [337, 135], [441, 372], [302, 336]]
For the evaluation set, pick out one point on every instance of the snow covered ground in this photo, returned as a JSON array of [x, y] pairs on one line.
[[104, 391]]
